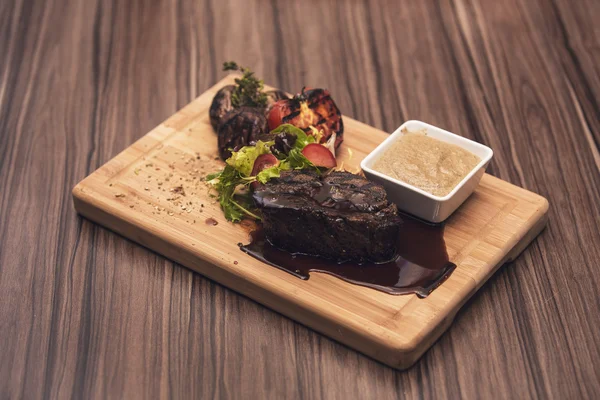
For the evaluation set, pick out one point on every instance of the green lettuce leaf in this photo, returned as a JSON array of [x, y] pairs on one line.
[[243, 160], [235, 207], [272, 172], [297, 160]]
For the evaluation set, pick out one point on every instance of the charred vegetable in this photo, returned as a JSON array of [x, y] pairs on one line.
[[240, 127], [221, 104], [235, 108], [273, 96], [313, 111]]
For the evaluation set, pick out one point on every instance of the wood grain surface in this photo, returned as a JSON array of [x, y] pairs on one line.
[[87, 314]]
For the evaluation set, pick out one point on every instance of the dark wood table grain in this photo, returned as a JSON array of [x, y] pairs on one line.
[[85, 313]]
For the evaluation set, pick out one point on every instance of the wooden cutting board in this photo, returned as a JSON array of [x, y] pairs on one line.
[[140, 195]]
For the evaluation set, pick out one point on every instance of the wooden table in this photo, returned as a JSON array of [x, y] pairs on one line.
[[85, 313]]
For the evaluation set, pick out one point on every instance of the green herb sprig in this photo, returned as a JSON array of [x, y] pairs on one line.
[[249, 89]]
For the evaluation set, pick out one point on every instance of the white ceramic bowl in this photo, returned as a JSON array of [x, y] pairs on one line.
[[415, 201]]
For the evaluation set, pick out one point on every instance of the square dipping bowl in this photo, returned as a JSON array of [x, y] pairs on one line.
[[418, 202]]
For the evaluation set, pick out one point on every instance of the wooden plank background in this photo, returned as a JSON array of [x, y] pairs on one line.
[[85, 313]]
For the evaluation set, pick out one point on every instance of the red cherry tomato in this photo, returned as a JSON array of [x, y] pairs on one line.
[[278, 111], [319, 155], [264, 161]]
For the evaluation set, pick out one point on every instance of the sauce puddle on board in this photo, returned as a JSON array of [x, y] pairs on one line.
[[421, 265], [211, 222]]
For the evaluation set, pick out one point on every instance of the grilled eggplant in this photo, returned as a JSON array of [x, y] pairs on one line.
[[240, 127], [220, 105]]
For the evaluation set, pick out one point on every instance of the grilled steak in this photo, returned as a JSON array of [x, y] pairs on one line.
[[340, 216]]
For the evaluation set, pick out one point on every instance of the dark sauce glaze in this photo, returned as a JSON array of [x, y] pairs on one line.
[[421, 265], [211, 222]]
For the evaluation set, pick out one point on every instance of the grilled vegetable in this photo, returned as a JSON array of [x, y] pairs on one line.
[[220, 105], [240, 127], [313, 111]]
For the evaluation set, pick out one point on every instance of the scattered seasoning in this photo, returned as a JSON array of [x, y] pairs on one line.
[[189, 171], [110, 184], [178, 190], [235, 262]]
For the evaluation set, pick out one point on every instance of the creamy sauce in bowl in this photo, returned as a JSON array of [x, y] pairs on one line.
[[429, 164]]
